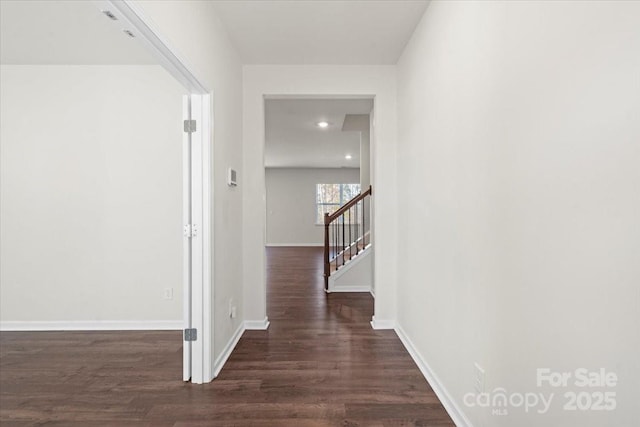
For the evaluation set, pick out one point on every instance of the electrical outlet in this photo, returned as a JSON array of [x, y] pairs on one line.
[[478, 383], [233, 312], [168, 293]]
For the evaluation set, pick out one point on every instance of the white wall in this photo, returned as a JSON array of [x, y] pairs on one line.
[[306, 80], [519, 236], [91, 191], [362, 124], [365, 156], [194, 29], [291, 203]]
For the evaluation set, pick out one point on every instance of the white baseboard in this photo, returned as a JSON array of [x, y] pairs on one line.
[[294, 245], [382, 323], [259, 325], [247, 325], [228, 349], [455, 412], [349, 288], [373, 293], [93, 325]]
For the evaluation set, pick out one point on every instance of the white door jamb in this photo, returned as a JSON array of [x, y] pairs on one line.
[[199, 262]]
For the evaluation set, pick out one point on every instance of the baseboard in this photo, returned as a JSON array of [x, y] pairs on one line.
[[294, 245], [382, 323], [258, 325], [247, 325], [373, 293], [349, 289], [455, 412], [228, 349], [93, 325]]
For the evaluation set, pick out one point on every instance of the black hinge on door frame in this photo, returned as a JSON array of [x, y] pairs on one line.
[[191, 334]]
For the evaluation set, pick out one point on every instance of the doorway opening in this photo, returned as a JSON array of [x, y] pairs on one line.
[[317, 174], [104, 227], [197, 197]]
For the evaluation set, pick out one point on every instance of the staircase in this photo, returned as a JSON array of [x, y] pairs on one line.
[[346, 234]]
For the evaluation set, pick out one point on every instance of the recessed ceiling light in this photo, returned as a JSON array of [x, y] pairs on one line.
[[323, 125], [348, 157]]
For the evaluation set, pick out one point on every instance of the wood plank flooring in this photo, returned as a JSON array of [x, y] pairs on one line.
[[319, 364]]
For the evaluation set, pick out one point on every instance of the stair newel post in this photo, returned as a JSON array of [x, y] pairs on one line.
[[327, 268]]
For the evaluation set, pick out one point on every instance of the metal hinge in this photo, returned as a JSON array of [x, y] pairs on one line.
[[190, 230], [189, 126], [190, 334]]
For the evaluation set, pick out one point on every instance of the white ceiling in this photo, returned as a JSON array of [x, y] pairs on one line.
[[293, 138], [64, 32], [263, 31], [320, 31]]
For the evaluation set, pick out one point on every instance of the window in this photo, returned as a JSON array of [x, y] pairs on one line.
[[329, 198]]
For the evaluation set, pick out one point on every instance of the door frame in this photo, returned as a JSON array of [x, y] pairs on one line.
[[326, 81], [198, 249]]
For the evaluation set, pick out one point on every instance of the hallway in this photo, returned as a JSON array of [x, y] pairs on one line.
[[318, 364], [321, 360]]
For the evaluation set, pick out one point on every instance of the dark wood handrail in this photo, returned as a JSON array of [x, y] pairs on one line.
[[329, 218]]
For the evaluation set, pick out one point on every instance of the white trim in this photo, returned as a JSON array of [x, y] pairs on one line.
[[373, 293], [92, 325], [131, 15], [186, 242], [197, 241], [256, 325], [294, 245], [347, 288], [382, 323], [455, 412], [208, 296], [228, 349], [247, 325]]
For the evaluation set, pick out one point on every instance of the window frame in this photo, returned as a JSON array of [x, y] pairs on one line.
[[342, 187]]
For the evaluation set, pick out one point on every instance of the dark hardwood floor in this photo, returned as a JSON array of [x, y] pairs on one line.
[[319, 364]]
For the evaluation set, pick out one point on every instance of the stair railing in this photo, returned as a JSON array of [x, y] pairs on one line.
[[345, 234]]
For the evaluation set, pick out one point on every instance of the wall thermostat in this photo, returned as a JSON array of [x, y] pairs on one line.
[[232, 178]]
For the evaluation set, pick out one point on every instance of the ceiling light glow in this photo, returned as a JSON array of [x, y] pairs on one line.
[[323, 125], [348, 157]]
